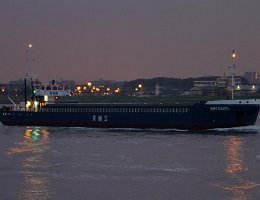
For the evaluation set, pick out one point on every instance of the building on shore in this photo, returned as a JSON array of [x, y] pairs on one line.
[[252, 77], [221, 86]]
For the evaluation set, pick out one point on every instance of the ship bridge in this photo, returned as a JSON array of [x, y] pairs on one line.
[[51, 90]]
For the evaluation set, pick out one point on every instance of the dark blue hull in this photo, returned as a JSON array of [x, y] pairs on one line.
[[195, 117]]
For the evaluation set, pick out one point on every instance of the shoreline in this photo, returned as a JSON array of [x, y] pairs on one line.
[[130, 99]]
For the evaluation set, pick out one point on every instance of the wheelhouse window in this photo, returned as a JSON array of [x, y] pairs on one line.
[[54, 88]]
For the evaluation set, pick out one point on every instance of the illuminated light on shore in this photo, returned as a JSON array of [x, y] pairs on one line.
[[117, 90]]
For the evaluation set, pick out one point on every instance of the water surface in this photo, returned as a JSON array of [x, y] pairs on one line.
[[84, 163]]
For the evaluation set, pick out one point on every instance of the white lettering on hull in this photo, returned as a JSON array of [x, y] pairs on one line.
[[99, 118], [219, 108]]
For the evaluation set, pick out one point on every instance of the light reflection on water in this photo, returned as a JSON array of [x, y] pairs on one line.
[[38, 156], [35, 184], [235, 167]]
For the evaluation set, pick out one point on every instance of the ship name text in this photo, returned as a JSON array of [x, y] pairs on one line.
[[219, 108]]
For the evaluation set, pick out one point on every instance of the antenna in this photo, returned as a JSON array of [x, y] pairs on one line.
[[30, 59], [232, 67], [30, 62], [30, 77]]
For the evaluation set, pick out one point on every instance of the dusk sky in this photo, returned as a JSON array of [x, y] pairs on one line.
[[128, 39]]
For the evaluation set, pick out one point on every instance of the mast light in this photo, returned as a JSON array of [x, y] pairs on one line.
[[233, 54]]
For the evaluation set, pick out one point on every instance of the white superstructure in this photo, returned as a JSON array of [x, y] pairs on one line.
[[51, 90], [235, 101]]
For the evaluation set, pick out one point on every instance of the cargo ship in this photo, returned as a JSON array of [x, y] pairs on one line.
[[42, 110]]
